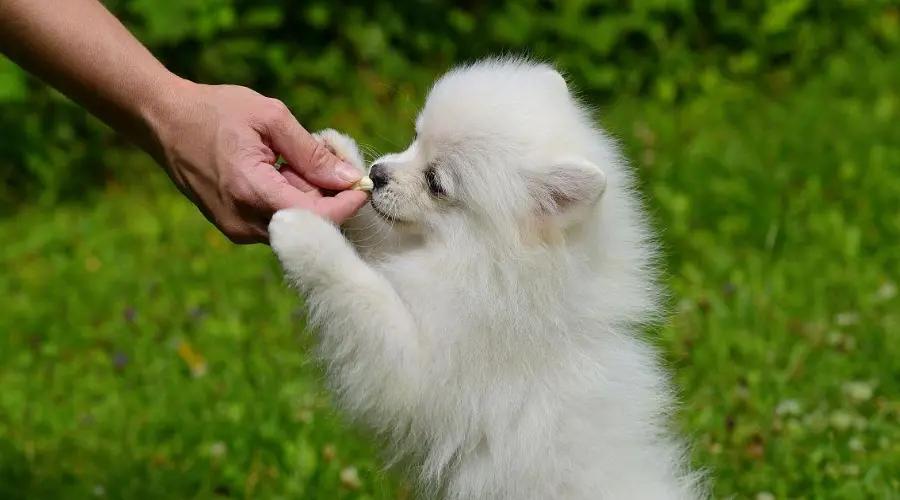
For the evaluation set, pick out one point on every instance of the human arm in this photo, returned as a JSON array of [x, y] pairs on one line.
[[218, 143]]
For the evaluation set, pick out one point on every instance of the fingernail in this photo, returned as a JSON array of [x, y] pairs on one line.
[[348, 172]]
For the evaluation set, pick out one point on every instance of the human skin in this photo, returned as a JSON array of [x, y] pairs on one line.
[[218, 143]]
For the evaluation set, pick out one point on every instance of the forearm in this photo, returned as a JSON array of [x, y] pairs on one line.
[[81, 49], [218, 143]]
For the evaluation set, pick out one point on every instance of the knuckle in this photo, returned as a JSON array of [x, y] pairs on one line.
[[320, 156], [278, 109], [234, 232], [237, 189], [242, 239], [239, 233], [280, 119]]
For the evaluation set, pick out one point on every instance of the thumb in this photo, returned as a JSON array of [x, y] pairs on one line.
[[307, 156]]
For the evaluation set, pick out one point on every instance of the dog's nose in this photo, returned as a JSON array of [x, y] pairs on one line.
[[379, 175]]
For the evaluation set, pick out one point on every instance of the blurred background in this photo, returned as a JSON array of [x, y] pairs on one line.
[[142, 356]]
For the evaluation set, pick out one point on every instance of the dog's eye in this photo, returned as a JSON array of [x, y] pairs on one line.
[[434, 185]]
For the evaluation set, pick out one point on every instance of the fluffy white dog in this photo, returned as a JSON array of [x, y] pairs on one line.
[[483, 312]]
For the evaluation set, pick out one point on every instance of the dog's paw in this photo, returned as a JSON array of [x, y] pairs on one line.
[[343, 146], [291, 227], [300, 238]]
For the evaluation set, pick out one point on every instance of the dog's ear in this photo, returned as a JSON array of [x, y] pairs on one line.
[[566, 187]]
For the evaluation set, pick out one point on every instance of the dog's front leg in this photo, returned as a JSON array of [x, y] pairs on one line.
[[368, 339]]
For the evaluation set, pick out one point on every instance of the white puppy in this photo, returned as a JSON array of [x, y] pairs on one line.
[[482, 313]]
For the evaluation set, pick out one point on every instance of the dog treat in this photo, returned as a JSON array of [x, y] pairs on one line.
[[364, 184]]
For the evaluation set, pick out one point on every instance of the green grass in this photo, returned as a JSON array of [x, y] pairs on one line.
[[781, 220]]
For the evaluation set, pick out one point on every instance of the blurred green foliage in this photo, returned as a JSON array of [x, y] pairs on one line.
[[359, 65]]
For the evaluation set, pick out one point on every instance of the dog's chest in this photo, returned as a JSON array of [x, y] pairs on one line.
[[444, 301]]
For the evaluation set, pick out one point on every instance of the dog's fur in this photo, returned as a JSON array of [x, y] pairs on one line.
[[483, 311]]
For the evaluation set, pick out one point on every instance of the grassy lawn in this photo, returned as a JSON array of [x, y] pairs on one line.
[[144, 357]]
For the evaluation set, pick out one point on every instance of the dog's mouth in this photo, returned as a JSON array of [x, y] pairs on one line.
[[381, 213]]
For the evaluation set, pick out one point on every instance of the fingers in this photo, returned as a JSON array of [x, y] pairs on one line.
[[294, 179], [276, 191], [342, 206], [265, 192], [311, 159]]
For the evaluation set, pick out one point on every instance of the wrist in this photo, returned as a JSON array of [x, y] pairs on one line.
[[161, 112]]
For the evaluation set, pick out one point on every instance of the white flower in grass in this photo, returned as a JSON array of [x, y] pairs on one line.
[[788, 407], [218, 449], [847, 318], [841, 420], [350, 478], [887, 291], [858, 391]]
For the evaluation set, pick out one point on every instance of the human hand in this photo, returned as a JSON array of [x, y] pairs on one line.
[[219, 144]]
